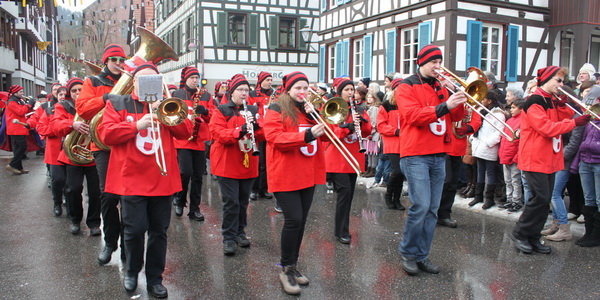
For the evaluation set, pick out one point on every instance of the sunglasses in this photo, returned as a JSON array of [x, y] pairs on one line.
[[116, 59], [559, 80], [75, 90]]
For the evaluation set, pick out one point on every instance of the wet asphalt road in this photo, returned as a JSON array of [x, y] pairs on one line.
[[41, 259]]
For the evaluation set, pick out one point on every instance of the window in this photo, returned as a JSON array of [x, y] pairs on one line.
[[410, 49], [566, 43], [359, 58], [237, 29], [331, 64], [491, 45], [287, 32]]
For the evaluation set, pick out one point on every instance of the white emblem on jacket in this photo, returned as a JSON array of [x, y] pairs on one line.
[[311, 148], [438, 128], [556, 144], [144, 142]]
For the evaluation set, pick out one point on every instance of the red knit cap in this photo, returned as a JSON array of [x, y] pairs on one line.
[[112, 50], [428, 53], [395, 83], [262, 76], [545, 74], [290, 79], [236, 81], [71, 83], [218, 86], [146, 65], [171, 86], [14, 89], [186, 73], [340, 83]]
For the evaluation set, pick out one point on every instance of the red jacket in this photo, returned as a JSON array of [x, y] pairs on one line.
[[226, 158], [421, 130], [288, 151], [16, 109], [53, 142], [542, 124], [507, 153], [388, 126], [334, 160], [459, 146], [132, 168], [261, 99], [200, 123], [62, 125]]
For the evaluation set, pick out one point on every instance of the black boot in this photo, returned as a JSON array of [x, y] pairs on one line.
[[594, 239], [478, 194], [463, 192], [490, 190], [588, 216], [396, 199], [471, 192], [388, 197]]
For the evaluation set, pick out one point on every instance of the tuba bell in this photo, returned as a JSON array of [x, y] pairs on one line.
[[76, 146]]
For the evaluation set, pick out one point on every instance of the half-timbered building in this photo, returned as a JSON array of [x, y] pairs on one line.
[[238, 36], [510, 38]]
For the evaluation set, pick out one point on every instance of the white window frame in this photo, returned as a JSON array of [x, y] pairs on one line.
[[359, 53], [413, 48], [331, 64], [486, 59]]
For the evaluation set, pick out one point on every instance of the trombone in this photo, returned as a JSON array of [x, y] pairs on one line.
[[587, 110], [475, 88], [334, 111]]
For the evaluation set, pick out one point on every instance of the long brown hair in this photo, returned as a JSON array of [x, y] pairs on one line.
[[288, 108]]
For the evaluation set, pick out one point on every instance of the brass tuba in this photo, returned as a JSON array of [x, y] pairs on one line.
[[76, 146], [153, 49]]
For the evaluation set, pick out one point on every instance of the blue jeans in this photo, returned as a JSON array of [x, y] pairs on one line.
[[382, 170], [559, 211], [425, 176], [486, 171], [590, 182], [526, 190]]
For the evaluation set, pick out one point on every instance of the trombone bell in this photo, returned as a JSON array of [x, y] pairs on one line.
[[474, 85], [172, 111], [335, 110]]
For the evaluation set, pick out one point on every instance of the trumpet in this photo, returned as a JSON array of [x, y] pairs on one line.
[[250, 129], [587, 110], [334, 111], [475, 89], [357, 129]]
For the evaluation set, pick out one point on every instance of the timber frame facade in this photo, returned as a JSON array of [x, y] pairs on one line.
[[238, 36], [510, 38]]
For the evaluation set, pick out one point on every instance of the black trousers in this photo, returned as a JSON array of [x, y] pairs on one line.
[[450, 186], [343, 184], [236, 195], [192, 164], [576, 200], [111, 219], [295, 206], [19, 148], [260, 184], [535, 212], [74, 190], [58, 175], [396, 179], [143, 214]]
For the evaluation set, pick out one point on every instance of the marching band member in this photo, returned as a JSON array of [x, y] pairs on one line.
[[261, 97], [293, 144], [191, 152], [426, 115], [62, 124], [543, 120], [16, 109], [341, 173], [133, 174], [220, 91], [90, 102], [231, 161]]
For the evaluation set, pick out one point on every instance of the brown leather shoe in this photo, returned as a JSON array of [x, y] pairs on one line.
[[13, 170]]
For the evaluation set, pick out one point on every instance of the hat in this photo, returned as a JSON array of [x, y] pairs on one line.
[[262, 76], [171, 87], [186, 73], [218, 86], [395, 83], [428, 53], [587, 67], [112, 50], [545, 74], [322, 86], [365, 80], [62, 88], [340, 83], [14, 89], [290, 79], [390, 76], [236, 81], [73, 82], [146, 65]]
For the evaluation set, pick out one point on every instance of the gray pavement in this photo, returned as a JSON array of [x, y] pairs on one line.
[[41, 259]]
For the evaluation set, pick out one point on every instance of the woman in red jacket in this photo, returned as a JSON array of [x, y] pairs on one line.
[[62, 124], [16, 109], [293, 144], [342, 174], [231, 161]]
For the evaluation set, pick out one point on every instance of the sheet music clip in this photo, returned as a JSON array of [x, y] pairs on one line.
[[150, 88]]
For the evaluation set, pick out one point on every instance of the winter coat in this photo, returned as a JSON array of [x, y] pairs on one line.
[[487, 141]]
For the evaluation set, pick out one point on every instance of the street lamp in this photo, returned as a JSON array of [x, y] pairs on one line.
[[307, 34], [194, 45]]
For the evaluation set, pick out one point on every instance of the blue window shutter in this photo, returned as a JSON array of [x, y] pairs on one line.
[[221, 28], [368, 54], [390, 51], [424, 34], [346, 57], [340, 2], [322, 67], [512, 53], [273, 32], [346, 1], [324, 5], [474, 31], [338, 59], [253, 30]]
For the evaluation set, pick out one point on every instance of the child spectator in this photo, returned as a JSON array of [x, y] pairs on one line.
[[508, 158]]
